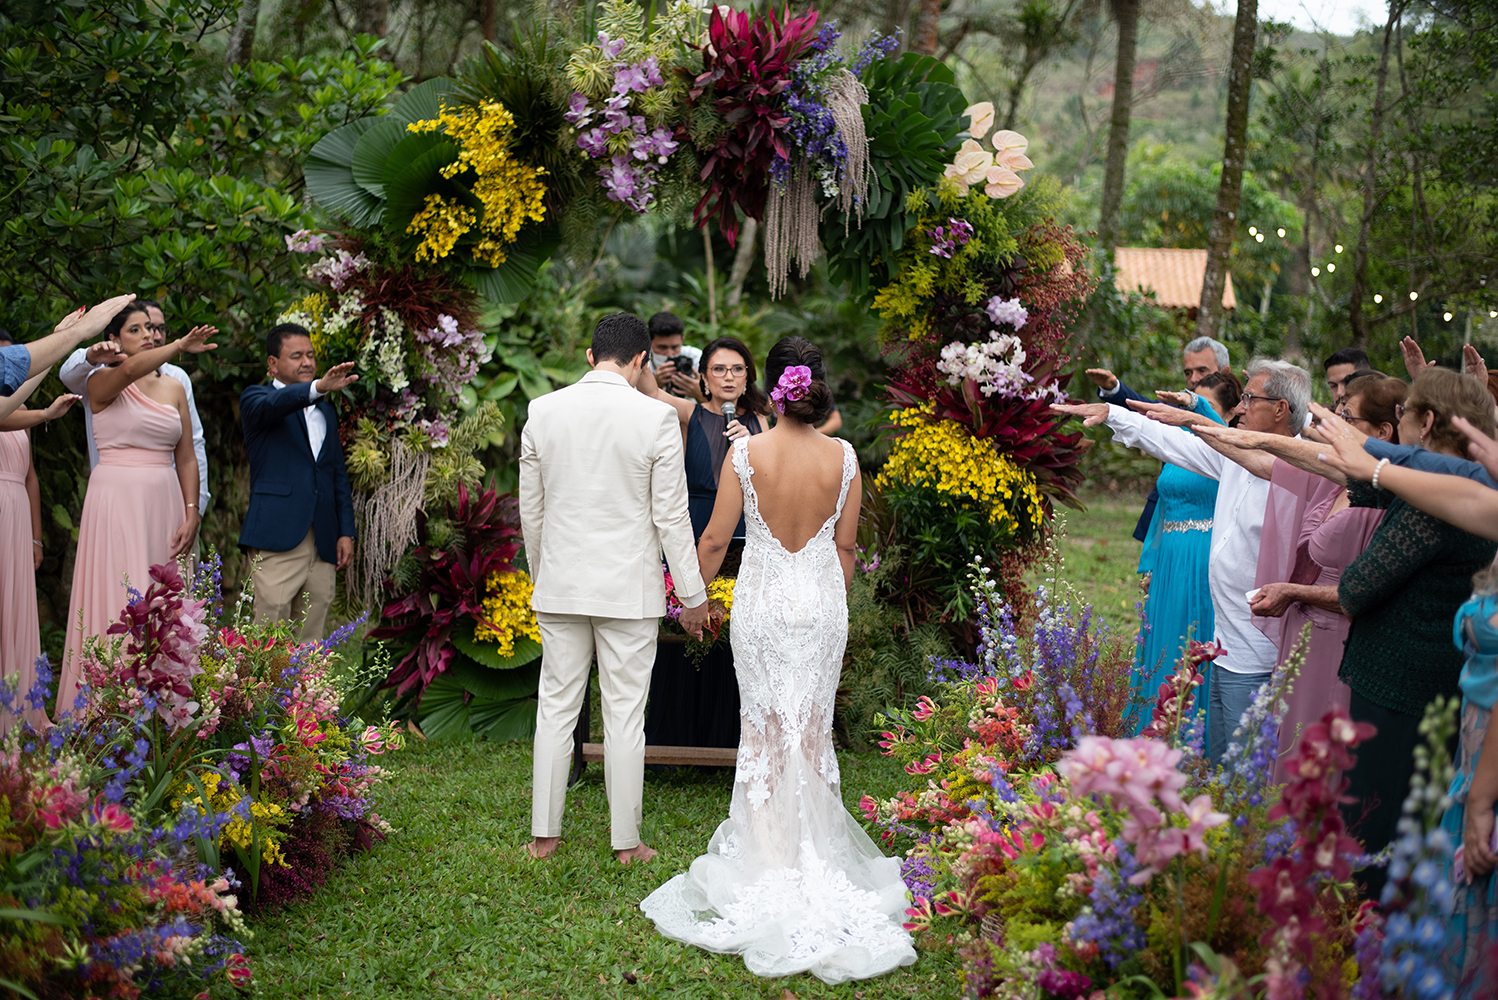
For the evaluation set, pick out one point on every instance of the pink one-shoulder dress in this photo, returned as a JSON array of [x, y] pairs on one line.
[[20, 636], [133, 507]]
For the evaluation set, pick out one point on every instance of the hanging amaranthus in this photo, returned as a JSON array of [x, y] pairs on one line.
[[791, 222]]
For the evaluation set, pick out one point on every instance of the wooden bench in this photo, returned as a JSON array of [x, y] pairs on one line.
[[592, 753]]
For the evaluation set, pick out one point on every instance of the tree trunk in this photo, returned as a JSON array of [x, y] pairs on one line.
[[241, 47], [1234, 152], [372, 17], [925, 32], [743, 260], [491, 20], [1355, 316], [1126, 13]]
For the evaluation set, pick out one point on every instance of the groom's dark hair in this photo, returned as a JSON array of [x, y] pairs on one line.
[[620, 338]]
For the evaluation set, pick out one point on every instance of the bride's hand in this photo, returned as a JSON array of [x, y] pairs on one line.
[[735, 430]]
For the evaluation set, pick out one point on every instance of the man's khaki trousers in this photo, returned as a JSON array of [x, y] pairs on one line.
[[287, 581], [626, 657]]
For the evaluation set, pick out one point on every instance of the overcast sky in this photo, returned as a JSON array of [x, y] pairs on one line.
[[1341, 17]]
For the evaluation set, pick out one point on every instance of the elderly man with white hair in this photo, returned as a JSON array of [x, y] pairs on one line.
[[1275, 401], [1200, 358]]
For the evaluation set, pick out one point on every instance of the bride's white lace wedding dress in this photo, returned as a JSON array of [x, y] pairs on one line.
[[789, 880]]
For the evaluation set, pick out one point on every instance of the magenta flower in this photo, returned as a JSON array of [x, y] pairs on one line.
[[163, 633], [111, 816], [611, 47], [794, 384]]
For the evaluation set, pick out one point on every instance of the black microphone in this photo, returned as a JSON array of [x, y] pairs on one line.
[[728, 413]]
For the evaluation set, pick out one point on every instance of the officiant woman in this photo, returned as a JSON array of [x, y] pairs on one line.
[[695, 702]]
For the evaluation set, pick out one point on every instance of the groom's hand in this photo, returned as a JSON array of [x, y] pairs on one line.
[[693, 619]]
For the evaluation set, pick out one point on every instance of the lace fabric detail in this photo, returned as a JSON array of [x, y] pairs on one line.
[[790, 880]]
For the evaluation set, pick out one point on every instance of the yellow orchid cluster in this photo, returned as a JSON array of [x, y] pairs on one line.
[[721, 590], [511, 192], [507, 604], [223, 795], [942, 455], [998, 170]]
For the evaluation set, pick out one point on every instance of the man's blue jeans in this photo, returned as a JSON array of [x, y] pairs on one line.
[[1232, 694]]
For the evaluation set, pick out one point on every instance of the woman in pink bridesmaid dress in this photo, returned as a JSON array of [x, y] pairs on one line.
[[139, 510], [21, 553]]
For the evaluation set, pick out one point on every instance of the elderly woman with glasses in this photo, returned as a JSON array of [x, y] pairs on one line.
[[696, 703]]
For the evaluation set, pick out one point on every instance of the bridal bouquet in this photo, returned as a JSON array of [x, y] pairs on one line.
[[720, 602]]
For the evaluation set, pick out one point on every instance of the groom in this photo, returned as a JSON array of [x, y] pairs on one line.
[[603, 490]]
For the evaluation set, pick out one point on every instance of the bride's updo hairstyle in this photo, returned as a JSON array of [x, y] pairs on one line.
[[816, 404]]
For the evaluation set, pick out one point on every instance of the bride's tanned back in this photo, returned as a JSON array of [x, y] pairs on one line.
[[797, 478]]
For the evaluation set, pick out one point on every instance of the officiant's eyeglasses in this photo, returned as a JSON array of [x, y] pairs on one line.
[[1249, 397], [721, 371]]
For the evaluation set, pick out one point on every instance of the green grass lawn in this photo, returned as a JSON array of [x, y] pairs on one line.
[[1097, 555], [451, 907]]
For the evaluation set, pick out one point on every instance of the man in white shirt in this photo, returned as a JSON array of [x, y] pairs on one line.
[[1275, 401], [82, 363]]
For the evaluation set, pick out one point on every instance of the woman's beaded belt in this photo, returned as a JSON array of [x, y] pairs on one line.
[[1196, 524]]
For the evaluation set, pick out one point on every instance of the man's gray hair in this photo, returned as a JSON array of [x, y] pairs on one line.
[[1218, 348], [1288, 382]]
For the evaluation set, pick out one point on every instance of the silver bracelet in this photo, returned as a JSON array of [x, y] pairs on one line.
[[38, 543], [1377, 469]]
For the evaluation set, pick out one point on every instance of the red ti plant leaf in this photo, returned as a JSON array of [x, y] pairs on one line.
[[746, 67]]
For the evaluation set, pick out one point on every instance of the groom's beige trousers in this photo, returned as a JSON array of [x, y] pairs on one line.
[[626, 656]]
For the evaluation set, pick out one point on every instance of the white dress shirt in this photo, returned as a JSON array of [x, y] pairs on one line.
[[74, 374], [317, 424], [1237, 524]]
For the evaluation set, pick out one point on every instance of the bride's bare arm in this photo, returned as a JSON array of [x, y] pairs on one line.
[[846, 532], [727, 510]]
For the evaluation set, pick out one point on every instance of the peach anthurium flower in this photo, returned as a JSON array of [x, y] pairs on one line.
[[981, 117], [1002, 182], [970, 165], [1007, 142]]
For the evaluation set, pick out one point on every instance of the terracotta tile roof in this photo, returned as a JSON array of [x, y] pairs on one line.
[[1174, 275]]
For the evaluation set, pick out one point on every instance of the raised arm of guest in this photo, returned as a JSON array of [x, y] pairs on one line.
[[1111, 388], [1154, 438], [24, 419], [1256, 451], [22, 362], [10, 404], [105, 385]]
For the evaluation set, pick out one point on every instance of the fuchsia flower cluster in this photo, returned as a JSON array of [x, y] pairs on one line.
[[162, 635], [793, 385], [634, 150], [1177, 692], [946, 239]]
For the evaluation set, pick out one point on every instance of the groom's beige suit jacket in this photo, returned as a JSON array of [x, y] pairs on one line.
[[603, 490]]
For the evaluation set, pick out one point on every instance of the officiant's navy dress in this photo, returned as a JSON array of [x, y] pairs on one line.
[[696, 704]]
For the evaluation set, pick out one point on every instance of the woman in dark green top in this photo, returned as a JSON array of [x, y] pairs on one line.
[[1401, 594]]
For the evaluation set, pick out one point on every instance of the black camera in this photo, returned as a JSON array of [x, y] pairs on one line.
[[683, 364]]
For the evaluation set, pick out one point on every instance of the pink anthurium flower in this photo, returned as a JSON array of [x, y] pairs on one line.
[[1002, 182], [981, 116]]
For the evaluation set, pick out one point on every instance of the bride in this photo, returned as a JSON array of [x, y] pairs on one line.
[[790, 881]]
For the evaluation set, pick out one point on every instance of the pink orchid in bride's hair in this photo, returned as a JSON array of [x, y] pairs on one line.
[[793, 385]]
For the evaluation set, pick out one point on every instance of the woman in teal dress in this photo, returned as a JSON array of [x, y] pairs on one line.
[[1175, 556], [1473, 931]]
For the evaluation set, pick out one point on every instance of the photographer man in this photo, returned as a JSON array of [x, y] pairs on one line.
[[675, 365]]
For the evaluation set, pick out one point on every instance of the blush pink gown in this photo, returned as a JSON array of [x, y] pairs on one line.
[[1326, 546], [20, 636], [133, 507]]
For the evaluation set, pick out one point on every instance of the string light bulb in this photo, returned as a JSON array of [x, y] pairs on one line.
[[1281, 233], [1446, 317], [1315, 271], [1339, 248], [1493, 314], [1252, 230], [1330, 268], [1259, 237], [1414, 296], [1378, 298]]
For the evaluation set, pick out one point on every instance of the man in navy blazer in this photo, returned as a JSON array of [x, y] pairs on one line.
[[299, 530]]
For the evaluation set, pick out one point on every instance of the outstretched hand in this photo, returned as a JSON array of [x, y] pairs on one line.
[[87, 324], [1473, 363], [59, 406], [1166, 414], [105, 352], [337, 377], [1092, 414], [1184, 400], [1482, 449], [1414, 358], [1103, 379], [194, 341], [1346, 453]]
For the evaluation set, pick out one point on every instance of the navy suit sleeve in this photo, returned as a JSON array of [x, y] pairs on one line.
[[1121, 395], [343, 495], [1422, 460], [263, 406]]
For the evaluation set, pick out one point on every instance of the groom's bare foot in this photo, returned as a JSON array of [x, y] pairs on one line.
[[542, 848], [640, 852]]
